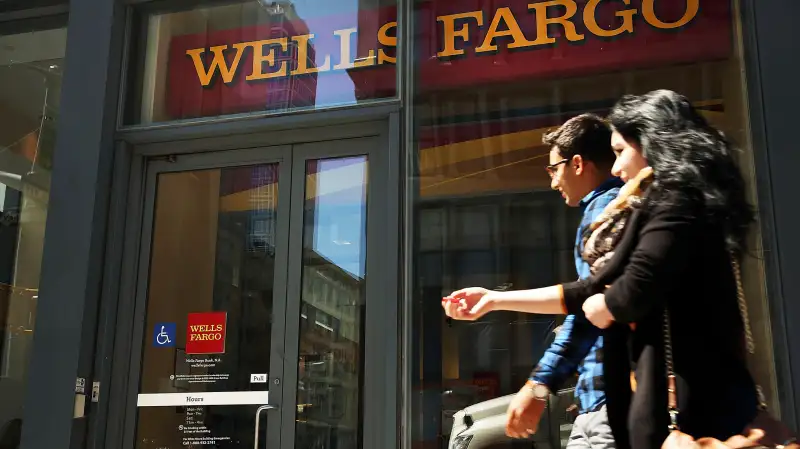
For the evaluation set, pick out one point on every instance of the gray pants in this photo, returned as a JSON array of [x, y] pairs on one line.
[[591, 431]]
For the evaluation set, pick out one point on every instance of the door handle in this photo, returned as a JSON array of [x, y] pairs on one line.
[[258, 421]]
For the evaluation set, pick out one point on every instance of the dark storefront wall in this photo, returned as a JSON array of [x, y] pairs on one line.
[[773, 96], [80, 269]]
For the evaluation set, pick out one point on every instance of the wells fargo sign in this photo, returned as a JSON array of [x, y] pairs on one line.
[[205, 333], [234, 70]]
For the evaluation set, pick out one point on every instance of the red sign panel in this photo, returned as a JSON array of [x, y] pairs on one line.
[[457, 44], [205, 333], [646, 34]]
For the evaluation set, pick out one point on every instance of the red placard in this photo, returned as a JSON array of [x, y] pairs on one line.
[[205, 333]]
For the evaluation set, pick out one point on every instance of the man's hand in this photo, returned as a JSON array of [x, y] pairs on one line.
[[467, 304], [524, 414]]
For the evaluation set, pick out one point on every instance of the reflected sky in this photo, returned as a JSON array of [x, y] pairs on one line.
[[339, 211], [330, 89]]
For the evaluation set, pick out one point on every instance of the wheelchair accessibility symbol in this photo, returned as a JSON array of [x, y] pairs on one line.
[[164, 335]]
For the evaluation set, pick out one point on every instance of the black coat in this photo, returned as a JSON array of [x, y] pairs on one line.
[[671, 257]]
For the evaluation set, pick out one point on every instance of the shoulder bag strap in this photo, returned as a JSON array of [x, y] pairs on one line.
[[672, 395], [750, 344]]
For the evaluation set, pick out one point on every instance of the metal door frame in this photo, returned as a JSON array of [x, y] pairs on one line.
[[113, 364]]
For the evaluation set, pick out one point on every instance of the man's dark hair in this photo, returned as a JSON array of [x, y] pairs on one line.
[[587, 135]]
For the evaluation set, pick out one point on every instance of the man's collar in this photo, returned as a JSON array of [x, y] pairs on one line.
[[605, 186]]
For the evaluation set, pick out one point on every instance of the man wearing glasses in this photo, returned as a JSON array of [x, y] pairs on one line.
[[580, 165]]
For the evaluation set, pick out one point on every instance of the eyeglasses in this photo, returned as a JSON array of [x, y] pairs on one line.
[[551, 169]]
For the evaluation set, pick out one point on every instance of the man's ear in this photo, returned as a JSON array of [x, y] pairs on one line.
[[579, 164]]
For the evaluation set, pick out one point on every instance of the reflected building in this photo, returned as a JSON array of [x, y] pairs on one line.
[[296, 91], [330, 351], [376, 80], [262, 217]]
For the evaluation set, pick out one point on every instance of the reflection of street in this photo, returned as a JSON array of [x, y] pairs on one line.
[[329, 368]]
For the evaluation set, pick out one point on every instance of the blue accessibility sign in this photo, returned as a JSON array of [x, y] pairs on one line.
[[164, 335]]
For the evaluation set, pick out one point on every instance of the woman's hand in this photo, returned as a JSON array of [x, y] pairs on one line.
[[597, 312], [467, 304]]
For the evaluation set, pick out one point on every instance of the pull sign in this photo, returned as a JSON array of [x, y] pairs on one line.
[[258, 378], [95, 391], [80, 385]]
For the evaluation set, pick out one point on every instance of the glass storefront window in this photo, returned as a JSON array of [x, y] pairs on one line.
[[259, 55], [492, 76], [30, 82]]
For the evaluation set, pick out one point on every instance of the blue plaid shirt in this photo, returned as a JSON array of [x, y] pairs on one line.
[[578, 347]]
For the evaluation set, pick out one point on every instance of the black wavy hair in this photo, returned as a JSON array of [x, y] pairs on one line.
[[693, 164]]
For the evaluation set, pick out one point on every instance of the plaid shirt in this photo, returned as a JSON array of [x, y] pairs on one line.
[[578, 347]]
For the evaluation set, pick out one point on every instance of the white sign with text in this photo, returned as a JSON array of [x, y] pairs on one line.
[[204, 398]]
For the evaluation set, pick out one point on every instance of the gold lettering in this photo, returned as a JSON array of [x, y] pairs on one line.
[[388, 41], [217, 62], [455, 26], [504, 15], [206, 337], [302, 57], [344, 52], [259, 58], [450, 32], [649, 13], [198, 329], [542, 21], [590, 19]]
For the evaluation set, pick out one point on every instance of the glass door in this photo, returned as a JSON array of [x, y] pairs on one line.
[[329, 269], [211, 363], [262, 320]]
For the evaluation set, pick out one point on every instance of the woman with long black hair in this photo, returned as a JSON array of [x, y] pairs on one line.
[[667, 247]]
